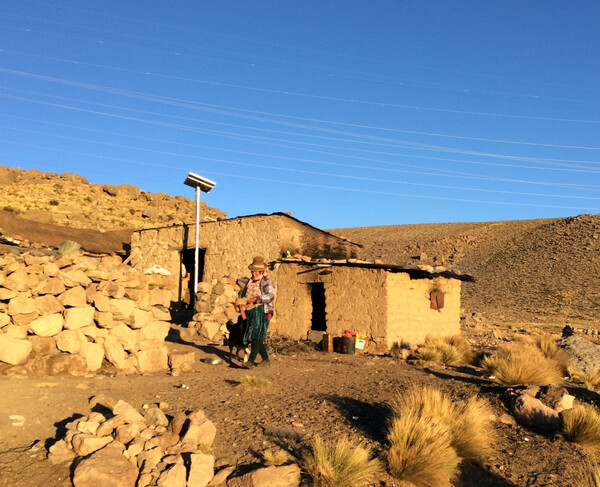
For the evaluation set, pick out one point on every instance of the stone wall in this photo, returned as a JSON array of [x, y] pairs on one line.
[[231, 244], [71, 314], [213, 308], [409, 316]]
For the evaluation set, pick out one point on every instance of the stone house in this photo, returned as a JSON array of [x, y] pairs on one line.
[[386, 303], [320, 283], [228, 246]]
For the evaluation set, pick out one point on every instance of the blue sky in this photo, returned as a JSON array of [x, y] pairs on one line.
[[345, 113]]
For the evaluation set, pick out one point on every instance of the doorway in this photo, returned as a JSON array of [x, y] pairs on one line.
[[317, 297], [187, 285]]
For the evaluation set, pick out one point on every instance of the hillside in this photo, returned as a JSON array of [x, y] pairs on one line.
[[44, 209], [526, 271], [530, 271], [70, 200]]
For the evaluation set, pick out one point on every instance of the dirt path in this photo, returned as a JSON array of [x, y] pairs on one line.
[[310, 393]]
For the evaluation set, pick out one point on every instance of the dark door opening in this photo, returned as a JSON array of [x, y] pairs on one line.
[[317, 295], [187, 262]]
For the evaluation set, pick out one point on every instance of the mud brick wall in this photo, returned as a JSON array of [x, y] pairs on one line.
[[409, 316], [387, 307], [355, 299]]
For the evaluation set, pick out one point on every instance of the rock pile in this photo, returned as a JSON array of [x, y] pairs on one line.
[[68, 314], [539, 407], [116, 445], [214, 307]]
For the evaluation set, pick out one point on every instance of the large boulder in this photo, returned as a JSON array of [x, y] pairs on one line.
[[74, 296], [22, 304], [79, 317], [532, 412], [48, 304], [202, 469], [107, 466], [283, 476], [151, 361], [70, 341], [14, 351], [47, 326]]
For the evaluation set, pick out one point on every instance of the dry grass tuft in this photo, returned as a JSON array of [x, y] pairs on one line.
[[470, 428], [447, 350], [255, 382], [427, 354], [589, 379], [547, 345], [589, 478], [467, 422], [425, 401], [344, 464], [522, 363], [421, 451], [582, 425], [275, 457], [464, 347]]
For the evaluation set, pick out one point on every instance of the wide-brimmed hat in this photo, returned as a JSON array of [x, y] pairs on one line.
[[258, 264]]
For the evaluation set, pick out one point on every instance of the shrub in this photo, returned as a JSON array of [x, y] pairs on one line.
[[519, 363], [53, 202], [257, 382], [589, 379], [426, 401], [582, 425], [344, 464], [421, 451]]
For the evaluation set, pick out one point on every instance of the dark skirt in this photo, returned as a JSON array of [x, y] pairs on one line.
[[257, 323]]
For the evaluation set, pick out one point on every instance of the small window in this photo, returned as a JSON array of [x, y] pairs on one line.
[[436, 300]]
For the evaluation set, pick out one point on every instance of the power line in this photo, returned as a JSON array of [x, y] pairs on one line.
[[166, 100], [307, 95]]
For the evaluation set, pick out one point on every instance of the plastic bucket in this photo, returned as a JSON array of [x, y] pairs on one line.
[[348, 345]]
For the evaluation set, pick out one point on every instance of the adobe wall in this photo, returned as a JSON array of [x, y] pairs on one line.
[[292, 304], [409, 316], [354, 300]]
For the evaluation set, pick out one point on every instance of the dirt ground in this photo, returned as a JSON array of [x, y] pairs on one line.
[[311, 393]]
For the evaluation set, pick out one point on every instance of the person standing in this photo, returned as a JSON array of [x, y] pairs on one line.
[[258, 311]]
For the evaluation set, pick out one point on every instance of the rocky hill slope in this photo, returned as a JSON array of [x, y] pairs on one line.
[[44, 209], [69, 200], [529, 271]]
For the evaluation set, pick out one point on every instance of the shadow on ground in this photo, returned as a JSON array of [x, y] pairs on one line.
[[370, 418], [472, 474]]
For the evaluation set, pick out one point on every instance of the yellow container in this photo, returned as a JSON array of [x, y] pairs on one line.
[[361, 343]]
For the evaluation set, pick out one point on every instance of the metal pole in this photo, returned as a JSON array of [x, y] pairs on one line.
[[197, 250]]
